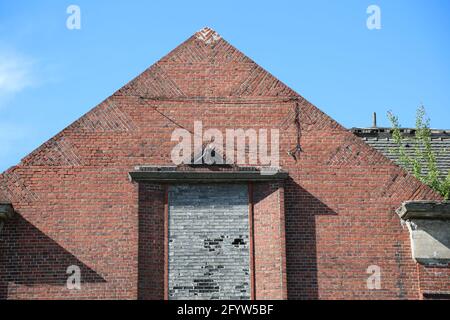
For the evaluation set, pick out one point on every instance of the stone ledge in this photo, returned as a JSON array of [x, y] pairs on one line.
[[429, 227], [177, 175], [424, 210]]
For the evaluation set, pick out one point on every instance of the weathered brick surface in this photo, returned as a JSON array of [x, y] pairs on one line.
[[151, 242], [434, 279], [269, 244], [77, 205]]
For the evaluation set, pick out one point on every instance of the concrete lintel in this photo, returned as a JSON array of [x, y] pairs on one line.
[[172, 175], [424, 210]]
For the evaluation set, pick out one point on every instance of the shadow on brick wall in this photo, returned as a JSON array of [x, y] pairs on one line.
[[3, 290], [28, 257], [151, 242], [301, 209]]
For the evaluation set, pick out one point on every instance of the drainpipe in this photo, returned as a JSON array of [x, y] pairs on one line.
[[6, 213]]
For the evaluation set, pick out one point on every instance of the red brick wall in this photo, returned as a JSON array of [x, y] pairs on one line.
[[434, 280], [77, 204], [269, 246], [151, 242], [340, 218], [70, 216]]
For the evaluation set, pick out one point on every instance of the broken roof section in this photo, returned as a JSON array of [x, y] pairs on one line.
[[381, 139]]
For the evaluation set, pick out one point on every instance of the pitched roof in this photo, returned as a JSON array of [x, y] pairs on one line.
[[381, 139], [206, 65]]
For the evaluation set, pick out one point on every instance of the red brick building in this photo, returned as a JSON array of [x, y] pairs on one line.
[[105, 196]]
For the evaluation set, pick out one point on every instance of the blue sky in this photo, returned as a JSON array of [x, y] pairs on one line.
[[50, 75]]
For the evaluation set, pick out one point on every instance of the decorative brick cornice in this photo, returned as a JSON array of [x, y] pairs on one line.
[[208, 35]]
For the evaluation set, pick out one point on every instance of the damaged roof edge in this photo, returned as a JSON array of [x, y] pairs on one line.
[[387, 131]]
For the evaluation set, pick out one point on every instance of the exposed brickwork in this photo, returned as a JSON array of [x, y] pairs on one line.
[[85, 217], [151, 242], [434, 280], [339, 201], [270, 255]]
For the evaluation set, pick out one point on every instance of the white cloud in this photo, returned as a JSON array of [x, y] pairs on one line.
[[16, 74], [12, 137]]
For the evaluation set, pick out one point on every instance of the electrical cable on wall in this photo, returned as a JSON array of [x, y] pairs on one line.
[[298, 148], [294, 117]]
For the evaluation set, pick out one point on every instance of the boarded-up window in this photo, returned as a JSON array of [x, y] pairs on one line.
[[209, 242]]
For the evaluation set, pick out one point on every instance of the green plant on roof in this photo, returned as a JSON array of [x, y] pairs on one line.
[[422, 162]]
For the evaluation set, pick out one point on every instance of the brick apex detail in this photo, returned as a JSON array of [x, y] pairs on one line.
[[208, 35]]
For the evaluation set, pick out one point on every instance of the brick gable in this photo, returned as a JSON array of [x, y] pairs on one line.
[[338, 204]]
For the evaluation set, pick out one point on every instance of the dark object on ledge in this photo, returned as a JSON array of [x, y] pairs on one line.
[[6, 213]]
